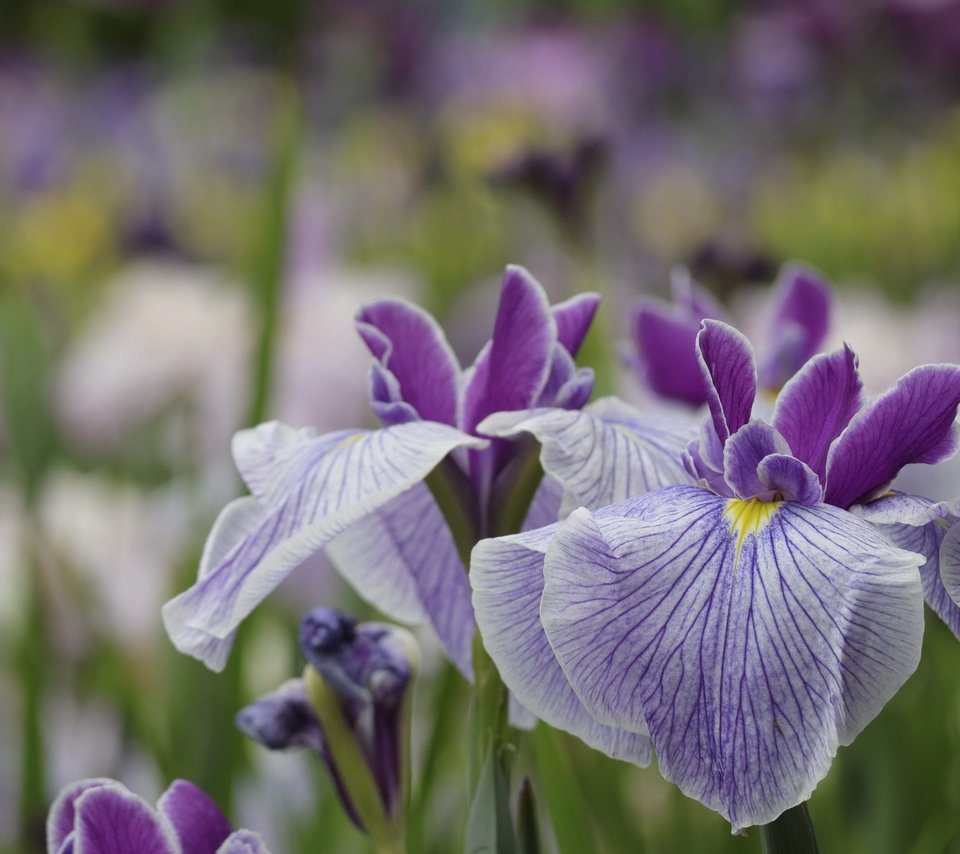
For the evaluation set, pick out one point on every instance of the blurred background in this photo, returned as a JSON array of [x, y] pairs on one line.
[[195, 197]]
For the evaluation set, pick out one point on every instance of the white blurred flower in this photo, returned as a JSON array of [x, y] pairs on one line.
[[169, 336], [122, 544]]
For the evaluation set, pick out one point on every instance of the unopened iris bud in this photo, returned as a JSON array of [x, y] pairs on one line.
[[353, 707]]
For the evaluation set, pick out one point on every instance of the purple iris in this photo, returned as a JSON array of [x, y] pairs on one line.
[[665, 335], [361, 494], [362, 733], [747, 625], [101, 815]]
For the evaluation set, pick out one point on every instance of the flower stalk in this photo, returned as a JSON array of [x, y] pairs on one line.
[[790, 833]]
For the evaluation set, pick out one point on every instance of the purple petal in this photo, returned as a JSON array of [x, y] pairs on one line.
[[817, 404], [282, 719], [667, 347], [573, 318], [726, 361], [243, 842], [801, 322], [751, 653], [385, 397], [406, 546], [604, 454], [317, 494], [511, 373], [790, 478], [196, 819], [112, 820], [412, 346], [742, 454], [507, 579], [911, 423], [931, 541], [896, 508], [61, 819]]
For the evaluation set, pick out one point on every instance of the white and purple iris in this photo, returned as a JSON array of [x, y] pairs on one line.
[[747, 625], [361, 494], [102, 816], [664, 335]]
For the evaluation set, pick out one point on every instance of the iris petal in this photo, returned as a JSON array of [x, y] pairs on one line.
[[666, 343], [411, 345], [728, 367], [243, 842], [911, 423], [573, 318], [62, 816], [112, 820], [328, 490], [406, 546], [743, 452], [510, 374], [751, 655], [603, 454], [199, 824], [817, 404], [507, 579]]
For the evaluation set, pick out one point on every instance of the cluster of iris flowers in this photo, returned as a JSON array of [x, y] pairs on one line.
[[738, 591]]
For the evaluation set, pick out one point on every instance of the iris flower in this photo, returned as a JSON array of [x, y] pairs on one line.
[[746, 625], [361, 493], [664, 335], [102, 816]]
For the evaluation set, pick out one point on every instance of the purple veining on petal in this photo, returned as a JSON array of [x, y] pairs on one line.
[[816, 405], [197, 821], [931, 540], [511, 373], [666, 344], [411, 345], [742, 454], [726, 360], [789, 479], [573, 318], [800, 324], [912, 422], [749, 661], [507, 579], [950, 564]]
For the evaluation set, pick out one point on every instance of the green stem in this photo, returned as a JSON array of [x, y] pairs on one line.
[[790, 833]]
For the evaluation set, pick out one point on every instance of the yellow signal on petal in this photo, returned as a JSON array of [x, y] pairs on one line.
[[748, 516]]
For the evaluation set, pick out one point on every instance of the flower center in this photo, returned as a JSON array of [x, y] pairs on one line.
[[748, 516]]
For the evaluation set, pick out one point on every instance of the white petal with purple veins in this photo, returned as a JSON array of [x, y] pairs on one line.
[[604, 454], [751, 639], [507, 579], [312, 502], [402, 558]]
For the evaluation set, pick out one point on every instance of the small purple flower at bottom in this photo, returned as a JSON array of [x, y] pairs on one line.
[[353, 708], [746, 626], [101, 816]]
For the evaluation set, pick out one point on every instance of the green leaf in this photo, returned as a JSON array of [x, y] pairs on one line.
[[528, 827], [489, 826]]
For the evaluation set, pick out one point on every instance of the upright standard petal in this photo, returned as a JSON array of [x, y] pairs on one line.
[[412, 346], [407, 542], [751, 638], [573, 318], [332, 489], [801, 321], [510, 373], [816, 405], [726, 360], [507, 579], [197, 821], [666, 345], [911, 423], [112, 820], [603, 454]]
